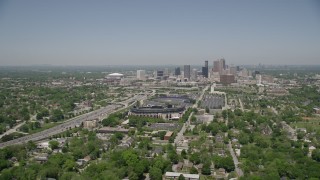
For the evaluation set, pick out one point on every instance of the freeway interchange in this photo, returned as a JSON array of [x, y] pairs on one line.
[[73, 122]]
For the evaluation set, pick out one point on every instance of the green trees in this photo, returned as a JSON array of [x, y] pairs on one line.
[[112, 120], [155, 173], [172, 154], [181, 177], [184, 154], [206, 169], [195, 158], [224, 162], [243, 138], [207, 110], [53, 144], [57, 115], [29, 126], [316, 155], [193, 170], [42, 113]]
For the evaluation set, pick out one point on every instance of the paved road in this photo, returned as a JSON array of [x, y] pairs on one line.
[[235, 160], [70, 123], [14, 129], [179, 136], [234, 157], [241, 105], [274, 110]]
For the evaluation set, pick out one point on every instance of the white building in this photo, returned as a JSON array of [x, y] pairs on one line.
[[114, 76], [175, 175], [141, 74]]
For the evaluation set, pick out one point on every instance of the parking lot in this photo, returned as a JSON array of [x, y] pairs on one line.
[[212, 101]]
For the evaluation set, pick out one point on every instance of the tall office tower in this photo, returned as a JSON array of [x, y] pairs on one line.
[[223, 63], [216, 66], [220, 66], [177, 71], [233, 70], [141, 74], [186, 71], [159, 74], [194, 75], [205, 70], [166, 71]]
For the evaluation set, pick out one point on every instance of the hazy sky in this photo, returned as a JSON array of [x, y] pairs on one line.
[[77, 32]]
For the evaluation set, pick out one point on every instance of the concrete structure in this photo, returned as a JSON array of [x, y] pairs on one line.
[[177, 71], [90, 124], [114, 76], [166, 71], [233, 70], [175, 175], [159, 74], [205, 70], [219, 66], [141, 74], [113, 130], [186, 71], [194, 74], [168, 135], [227, 79], [212, 88], [216, 66]]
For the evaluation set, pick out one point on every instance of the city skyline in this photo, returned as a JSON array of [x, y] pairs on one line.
[[145, 33]]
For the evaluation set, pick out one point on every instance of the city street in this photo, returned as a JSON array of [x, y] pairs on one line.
[[179, 136]]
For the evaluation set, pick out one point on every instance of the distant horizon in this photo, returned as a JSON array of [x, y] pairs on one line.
[[95, 33], [148, 65]]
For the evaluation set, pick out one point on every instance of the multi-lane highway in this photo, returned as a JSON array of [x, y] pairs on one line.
[[72, 123]]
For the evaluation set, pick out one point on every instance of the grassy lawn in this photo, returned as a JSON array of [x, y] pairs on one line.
[[44, 127], [203, 177]]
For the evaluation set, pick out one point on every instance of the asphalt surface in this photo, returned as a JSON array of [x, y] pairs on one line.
[[71, 123], [235, 160]]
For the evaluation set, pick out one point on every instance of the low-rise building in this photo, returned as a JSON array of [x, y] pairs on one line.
[[175, 175], [168, 135], [227, 79], [113, 130], [90, 124]]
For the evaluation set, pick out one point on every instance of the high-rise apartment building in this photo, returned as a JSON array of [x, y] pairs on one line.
[[186, 71], [141, 74]]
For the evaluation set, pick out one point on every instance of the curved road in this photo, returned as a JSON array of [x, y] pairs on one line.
[[71, 123]]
